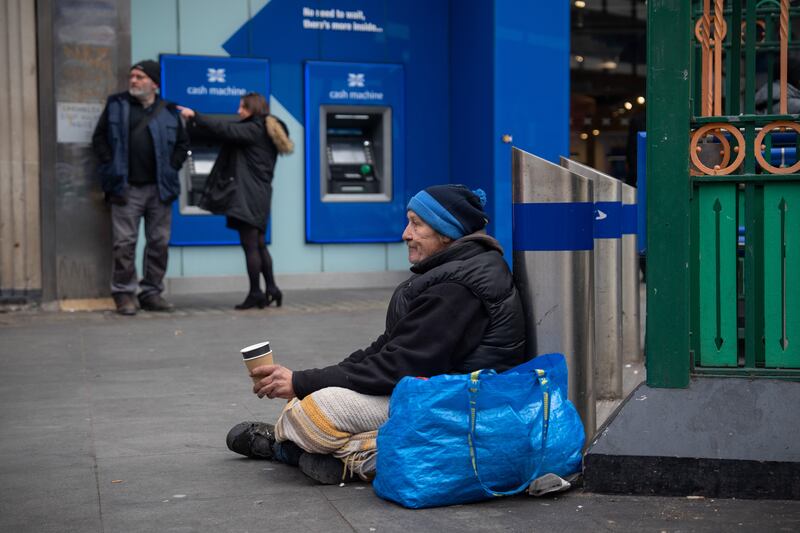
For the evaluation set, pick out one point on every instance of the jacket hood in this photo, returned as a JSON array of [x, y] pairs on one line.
[[277, 132]]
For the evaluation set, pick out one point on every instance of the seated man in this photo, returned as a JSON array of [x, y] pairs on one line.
[[459, 312]]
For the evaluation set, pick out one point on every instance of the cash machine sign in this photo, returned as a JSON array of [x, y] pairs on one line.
[[355, 79], [215, 75]]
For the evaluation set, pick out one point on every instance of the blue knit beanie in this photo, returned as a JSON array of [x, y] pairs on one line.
[[452, 210]]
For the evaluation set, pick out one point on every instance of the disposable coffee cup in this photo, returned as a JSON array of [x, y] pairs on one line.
[[257, 355]]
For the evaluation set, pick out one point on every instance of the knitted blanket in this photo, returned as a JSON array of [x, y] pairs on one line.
[[339, 422]]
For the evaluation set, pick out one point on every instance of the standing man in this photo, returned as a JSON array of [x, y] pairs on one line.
[[141, 144]]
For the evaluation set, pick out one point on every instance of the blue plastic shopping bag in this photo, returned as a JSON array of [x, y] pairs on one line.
[[455, 439]]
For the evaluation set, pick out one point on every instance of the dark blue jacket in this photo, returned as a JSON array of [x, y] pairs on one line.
[[111, 145]]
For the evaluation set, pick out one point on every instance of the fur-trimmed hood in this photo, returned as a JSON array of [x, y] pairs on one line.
[[280, 136]]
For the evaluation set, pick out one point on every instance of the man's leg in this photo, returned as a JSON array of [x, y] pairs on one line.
[[124, 233], [157, 225], [335, 427], [338, 428]]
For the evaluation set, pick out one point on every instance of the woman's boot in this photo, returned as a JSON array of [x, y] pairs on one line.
[[274, 294], [253, 299]]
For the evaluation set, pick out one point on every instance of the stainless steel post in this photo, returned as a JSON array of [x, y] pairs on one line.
[[631, 314], [607, 280], [552, 228]]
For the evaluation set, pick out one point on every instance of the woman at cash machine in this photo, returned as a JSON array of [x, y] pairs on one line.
[[240, 185]]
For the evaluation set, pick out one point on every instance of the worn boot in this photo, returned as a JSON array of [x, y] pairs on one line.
[[252, 439], [125, 303], [155, 302], [325, 469]]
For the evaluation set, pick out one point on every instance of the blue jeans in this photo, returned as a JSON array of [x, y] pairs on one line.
[[142, 202]]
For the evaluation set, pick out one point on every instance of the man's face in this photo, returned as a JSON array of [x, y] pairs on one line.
[[422, 240], [140, 85]]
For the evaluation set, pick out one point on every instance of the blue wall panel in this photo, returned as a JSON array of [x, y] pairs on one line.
[[531, 77], [472, 98], [417, 35]]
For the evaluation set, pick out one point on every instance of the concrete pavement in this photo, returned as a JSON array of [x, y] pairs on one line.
[[110, 423]]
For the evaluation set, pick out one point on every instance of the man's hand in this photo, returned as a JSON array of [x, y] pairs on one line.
[[186, 113], [275, 382]]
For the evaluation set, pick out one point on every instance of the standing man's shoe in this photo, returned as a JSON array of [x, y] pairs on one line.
[[154, 302], [125, 303]]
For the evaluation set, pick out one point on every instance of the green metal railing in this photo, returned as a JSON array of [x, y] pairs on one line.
[[742, 299]]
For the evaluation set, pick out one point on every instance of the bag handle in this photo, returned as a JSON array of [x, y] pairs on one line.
[[474, 386]]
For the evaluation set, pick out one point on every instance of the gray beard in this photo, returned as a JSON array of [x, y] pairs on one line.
[[141, 94]]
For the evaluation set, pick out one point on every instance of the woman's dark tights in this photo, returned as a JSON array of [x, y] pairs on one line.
[[257, 258]]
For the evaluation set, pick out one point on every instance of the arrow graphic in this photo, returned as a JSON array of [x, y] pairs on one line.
[[718, 340], [599, 215], [783, 206]]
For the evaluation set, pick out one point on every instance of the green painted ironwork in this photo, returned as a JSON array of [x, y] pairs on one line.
[[717, 275], [782, 276], [668, 193], [741, 302]]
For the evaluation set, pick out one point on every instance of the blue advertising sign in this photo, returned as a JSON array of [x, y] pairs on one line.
[[212, 84]]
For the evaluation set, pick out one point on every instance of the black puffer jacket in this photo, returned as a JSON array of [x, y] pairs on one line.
[[460, 312], [248, 155]]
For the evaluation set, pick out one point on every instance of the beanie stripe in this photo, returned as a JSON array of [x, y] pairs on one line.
[[436, 216]]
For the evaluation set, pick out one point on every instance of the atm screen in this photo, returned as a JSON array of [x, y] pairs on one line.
[[344, 153], [355, 152]]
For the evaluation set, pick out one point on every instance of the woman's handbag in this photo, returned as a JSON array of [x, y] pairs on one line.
[[220, 187], [218, 195], [455, 439]]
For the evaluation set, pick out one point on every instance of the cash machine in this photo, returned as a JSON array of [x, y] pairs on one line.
[[357, 153], [213, 86], [354, 152]]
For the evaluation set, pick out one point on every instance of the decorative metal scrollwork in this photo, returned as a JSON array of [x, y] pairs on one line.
[[760, 147], [716, 130]]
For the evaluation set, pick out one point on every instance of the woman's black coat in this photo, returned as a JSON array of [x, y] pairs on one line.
[[248, 156]]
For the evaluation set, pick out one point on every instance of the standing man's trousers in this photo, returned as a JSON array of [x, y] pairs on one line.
[[142, 202]]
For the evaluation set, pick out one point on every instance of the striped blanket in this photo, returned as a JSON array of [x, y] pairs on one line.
[[339, 422]]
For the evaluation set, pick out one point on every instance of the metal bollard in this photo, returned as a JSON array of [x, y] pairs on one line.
[[552, 235], [631, 326], [607, 280]]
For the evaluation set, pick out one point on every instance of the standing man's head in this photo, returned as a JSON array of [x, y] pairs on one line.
[[440, 214], [143, 80]]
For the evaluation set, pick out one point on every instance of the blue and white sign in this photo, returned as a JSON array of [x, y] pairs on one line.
[[358, 85], [212, 84]]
